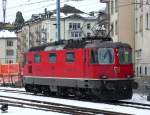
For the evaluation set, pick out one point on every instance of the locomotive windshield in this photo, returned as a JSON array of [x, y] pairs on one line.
[[125, 56], [102, 56]]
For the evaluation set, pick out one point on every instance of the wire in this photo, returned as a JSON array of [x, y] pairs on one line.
[[20, 5], [66, 1]]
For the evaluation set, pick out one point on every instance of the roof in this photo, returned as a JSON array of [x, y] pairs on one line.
[[69, 9], [7, 34]]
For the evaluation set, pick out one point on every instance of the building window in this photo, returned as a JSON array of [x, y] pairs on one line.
[[136, 5], [9, 61], [138, 54], [116, 5], [75, 34], [148, 21], [141, 25], [9, 43], [112, 29], [140, 70], [37, 58], [88, 34], [141, 3], [112, 6], [136, 26], [116, 27], [9, 52], [70, 25], [74, 26], [145, 70], [70, 57], [137, 71], [148, 1], [52, 57], [88, 26]]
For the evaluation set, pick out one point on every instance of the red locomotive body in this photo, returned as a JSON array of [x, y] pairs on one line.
[[83, 68]]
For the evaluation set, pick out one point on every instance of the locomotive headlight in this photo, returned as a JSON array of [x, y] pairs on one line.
[[110, 86]]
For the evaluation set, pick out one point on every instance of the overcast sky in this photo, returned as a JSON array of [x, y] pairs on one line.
[[29, 7]]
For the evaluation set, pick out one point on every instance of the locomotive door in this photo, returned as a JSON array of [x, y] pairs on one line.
[[53, 63], [86, 63]]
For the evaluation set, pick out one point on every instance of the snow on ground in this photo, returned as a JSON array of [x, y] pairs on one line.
[[25, 111], [116, 108]]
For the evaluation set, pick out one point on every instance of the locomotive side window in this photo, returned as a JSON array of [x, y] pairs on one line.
[[125, 56], [37, 58], [70, 57], [94, 56], [105, 56], [52, 57]]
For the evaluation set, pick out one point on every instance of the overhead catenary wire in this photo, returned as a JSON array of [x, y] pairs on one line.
[[65, 1]]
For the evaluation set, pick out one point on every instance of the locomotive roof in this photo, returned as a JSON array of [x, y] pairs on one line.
[[89, 42], [109, 45]]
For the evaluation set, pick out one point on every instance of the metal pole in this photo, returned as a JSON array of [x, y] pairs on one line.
[[58, 20], [4, 9]]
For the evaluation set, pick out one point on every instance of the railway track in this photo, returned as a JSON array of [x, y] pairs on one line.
[[120, 103], [55, 107]]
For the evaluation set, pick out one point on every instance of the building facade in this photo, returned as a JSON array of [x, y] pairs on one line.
[[130, 22], [42, 29], [8, 47], [142, 37]]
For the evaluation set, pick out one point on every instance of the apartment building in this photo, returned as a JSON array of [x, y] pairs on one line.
[[130, 22], [8, 47], [41, 28], [142, 37]]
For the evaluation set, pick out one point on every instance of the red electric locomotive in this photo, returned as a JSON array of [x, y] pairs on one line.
[[94, 67]]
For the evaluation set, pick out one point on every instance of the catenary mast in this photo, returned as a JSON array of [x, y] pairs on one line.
[[58, 19], [4, 9]]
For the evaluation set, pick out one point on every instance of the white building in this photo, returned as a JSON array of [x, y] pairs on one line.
[[142, 37], [41, 28], [8, 47], [73, 26]]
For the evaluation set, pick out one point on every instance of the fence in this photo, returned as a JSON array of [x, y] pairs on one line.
[[10, 73]]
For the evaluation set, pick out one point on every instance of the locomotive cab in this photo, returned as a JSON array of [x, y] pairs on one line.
[[112, 64]]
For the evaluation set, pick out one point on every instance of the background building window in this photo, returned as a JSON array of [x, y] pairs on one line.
[[141, 25], [140, 70], [116, 27], [116, 5], [74, 26], [88, 26], [9, 52], [136, 26], [9, 43], [112, 29], [88, 34], [112, 6], [148, 21], [9, 61], [75, 34], [145, 70]]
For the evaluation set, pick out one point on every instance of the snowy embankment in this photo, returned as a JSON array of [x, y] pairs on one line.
[[116, 108]]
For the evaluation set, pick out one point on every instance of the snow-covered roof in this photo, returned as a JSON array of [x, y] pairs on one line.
[[7, 34], [82, 15]]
